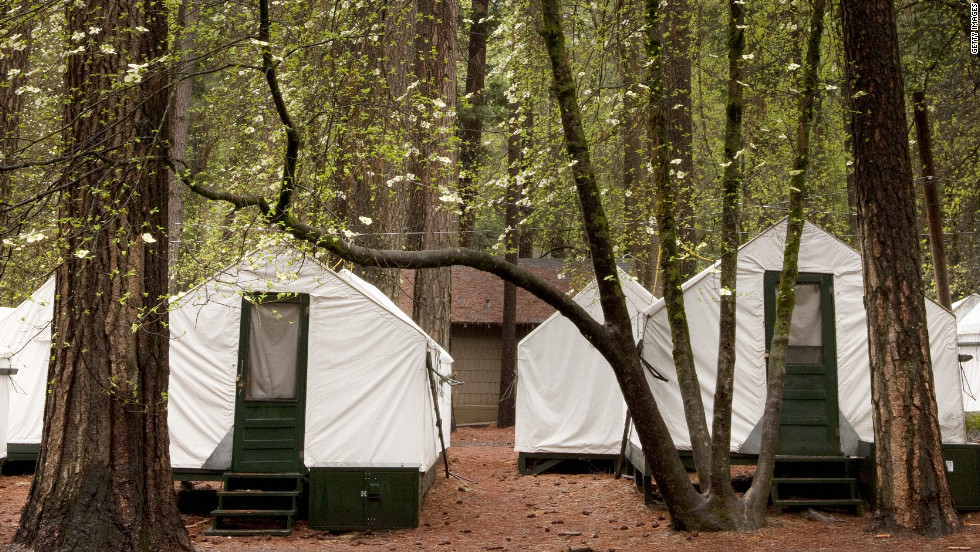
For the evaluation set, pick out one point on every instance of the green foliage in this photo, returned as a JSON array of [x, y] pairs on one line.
[[346, 74]]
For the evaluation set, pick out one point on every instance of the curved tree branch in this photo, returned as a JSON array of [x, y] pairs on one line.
[[292, 134], [594, 332]]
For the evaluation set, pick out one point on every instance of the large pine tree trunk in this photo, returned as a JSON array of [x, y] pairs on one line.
[[911, 481], [103, 481], [430, 220], [471, 120], [507, 403]]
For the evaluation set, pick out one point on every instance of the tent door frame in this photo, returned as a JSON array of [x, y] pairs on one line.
[[269, 433], [798, 433]]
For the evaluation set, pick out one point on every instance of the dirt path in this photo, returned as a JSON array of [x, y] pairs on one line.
[[505, 511]]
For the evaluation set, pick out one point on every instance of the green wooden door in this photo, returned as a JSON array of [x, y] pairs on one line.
[[809, 424], [271, 388]]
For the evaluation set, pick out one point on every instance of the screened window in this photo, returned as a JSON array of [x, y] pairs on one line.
[[806, 331], [273, 345]]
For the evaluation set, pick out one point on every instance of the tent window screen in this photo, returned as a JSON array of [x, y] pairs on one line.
[[806, 331], [273, 344]]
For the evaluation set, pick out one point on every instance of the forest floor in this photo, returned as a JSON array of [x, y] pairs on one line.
[[502, 510]]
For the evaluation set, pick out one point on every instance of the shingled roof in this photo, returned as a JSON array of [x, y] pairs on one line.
[[478, 297]]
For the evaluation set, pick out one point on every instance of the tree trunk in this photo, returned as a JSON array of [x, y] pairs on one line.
[[178, 119], [641, 241], [931, 195], [757, 496], [14, 62], [912, 491], [103, 481], [721, 428], [430, 221], [508, 349], [679, 122], [471, 119], [670, 257]]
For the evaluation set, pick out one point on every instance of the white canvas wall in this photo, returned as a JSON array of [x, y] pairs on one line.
[[368, 396], [26, 332], [968, 337], [568, 400], [819, 253]]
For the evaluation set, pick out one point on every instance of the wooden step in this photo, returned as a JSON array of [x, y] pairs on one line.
[[263, 475], [264, 498], [807, 459], [212, 532], [848, 502], [814, 480], [252, 513], [256, 493]]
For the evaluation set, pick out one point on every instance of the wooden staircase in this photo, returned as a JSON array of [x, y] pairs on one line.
[[815, 481], [256, 504]]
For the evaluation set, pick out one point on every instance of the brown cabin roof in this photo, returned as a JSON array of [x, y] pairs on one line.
[[478, 297]]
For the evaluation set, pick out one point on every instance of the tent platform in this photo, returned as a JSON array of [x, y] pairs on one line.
[[22, 452], [534, 463], [854, 476]]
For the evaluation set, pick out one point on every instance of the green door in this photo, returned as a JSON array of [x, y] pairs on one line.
[[809, 425], [271, 388]]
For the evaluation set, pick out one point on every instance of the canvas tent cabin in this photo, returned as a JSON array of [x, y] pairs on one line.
[[968, 341], [25, 333], [285, 372], [280, 366], [827, 402], [569, 404]]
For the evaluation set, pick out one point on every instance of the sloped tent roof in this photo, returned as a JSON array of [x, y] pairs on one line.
[[819, 253], [568, 399], [965, 305], [26, 333], [369, 398], [968, 338]]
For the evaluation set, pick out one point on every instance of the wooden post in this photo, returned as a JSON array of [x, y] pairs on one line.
[[933, 213], [430, 371]]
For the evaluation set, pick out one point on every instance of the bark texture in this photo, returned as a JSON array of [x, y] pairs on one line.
[[677, 33], [429, 218], [670, 256], [178, 119], [103, 481], [912, 491], [506, 408], [471, 120]]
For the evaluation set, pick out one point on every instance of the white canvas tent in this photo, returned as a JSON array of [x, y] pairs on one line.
[[820, 254], [367, 383], [26, 333], [968, 340], [368, 389], [568, 399]]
